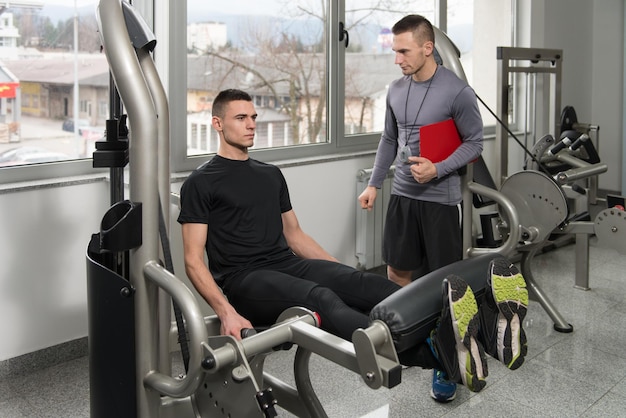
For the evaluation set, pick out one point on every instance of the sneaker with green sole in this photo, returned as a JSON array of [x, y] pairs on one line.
[[502, 314], [456, 336]]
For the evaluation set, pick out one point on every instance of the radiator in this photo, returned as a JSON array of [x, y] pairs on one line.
[[369, 224]]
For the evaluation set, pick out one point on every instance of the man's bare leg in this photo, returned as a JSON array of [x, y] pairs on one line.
[[400, 277]]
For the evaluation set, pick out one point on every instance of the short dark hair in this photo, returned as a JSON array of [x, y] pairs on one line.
[[420, 26], [224, 97]]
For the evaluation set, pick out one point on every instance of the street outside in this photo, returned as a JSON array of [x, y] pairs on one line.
[[48, 134]]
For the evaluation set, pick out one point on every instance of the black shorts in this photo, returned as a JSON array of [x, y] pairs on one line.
[[421, 236]]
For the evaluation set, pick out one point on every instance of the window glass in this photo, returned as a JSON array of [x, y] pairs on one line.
[[274, 50], [369, 59], [48, 82]]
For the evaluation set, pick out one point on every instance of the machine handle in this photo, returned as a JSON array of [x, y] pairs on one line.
[[579, 142], [562, 144]]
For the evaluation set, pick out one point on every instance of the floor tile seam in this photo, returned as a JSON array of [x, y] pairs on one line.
[[527, 403], [492, 387], [576, 327], [611, 353], [588, 320], [613, 381], [611, 308], [596, 402], [563, 374]]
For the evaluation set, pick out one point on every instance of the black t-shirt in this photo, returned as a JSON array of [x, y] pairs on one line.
[[241, 202]]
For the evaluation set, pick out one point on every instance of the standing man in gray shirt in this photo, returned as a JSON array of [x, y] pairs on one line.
[[422, 229], [423, 224]]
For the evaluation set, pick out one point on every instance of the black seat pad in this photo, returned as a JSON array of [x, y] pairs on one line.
[[412, 312]]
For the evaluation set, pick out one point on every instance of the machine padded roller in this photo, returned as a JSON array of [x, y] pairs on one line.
[[412, 312]]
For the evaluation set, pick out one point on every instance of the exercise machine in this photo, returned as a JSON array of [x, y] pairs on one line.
[[131, 291], [534, 206]]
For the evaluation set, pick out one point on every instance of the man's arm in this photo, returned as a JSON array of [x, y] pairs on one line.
[[194, 240], [469, 123], [301, 243]]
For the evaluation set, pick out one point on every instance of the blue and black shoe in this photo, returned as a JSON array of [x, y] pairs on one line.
[[442, 389]]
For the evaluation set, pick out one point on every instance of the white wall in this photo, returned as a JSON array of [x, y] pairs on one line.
[[607, 65], [44, 235], [324, 199]]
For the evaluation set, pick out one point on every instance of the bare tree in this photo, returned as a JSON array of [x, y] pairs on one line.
[[277, 61], [36, 30]]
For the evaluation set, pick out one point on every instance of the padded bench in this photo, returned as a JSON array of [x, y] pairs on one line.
[[412, 312]]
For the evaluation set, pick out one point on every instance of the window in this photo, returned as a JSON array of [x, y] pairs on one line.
[[85, 107], [316, 93], [276, 51], [369, 61], [39, 83], [336, 114], [103, 110]]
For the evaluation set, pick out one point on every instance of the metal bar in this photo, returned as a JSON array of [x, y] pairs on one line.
[[528, 254], [533, 70], [304, 386], [468, 206], [198, 336], [501, 145], [510, 244], [137, 100], [526, 109], [530, 54], [163, 180], [582, 261], [287, 396], [578, 227], [572, 174], [505, 68]]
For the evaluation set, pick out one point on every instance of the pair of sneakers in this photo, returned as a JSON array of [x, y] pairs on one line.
[[465, 331]]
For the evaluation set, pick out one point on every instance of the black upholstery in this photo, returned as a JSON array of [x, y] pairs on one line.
[[412, 312], [483, 177]]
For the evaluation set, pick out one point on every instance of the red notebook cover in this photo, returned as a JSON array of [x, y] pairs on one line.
[[439, 140]]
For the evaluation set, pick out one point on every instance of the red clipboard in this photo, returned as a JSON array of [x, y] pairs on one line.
[[439, 140]]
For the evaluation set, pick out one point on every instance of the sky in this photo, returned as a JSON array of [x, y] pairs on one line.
[[227, 7], [250, 6], [70, 3], [233, 7]]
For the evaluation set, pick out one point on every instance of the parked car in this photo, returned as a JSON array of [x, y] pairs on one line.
[[68, 125], [30, 155]]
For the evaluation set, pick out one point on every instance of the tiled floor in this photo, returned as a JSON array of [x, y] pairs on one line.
[[581, 374]]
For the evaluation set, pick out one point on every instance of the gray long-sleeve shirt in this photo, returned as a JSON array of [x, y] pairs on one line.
[[412, 104]]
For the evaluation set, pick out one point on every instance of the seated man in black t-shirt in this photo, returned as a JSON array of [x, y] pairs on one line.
[[261, 262]]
